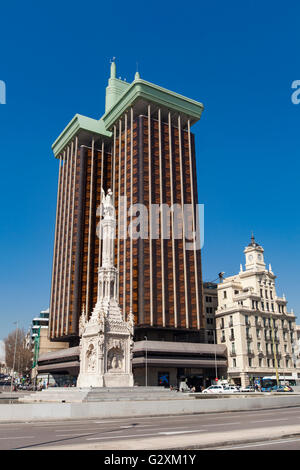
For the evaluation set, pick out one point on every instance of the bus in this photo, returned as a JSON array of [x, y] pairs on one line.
[[271, 381]]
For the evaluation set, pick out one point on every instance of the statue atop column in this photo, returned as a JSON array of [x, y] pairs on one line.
[[106, 338], [107, 206]]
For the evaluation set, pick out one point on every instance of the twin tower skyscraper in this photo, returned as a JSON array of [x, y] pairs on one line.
[[143, 149]]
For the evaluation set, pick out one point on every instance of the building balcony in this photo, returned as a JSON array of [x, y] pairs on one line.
[[258, 324], [231, 337], [232, 353], [249, 337], [223, 340], [250, 352]]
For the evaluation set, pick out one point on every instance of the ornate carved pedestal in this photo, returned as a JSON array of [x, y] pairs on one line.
[[106, 351]]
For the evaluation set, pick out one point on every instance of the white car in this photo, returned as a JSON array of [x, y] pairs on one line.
[[214, 389], [247, 389]]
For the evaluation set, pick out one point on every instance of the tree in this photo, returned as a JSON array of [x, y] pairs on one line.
[[15, 346]]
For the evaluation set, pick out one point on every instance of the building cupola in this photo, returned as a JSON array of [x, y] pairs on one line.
[[254, 254]]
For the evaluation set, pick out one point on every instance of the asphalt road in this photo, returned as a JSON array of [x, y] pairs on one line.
[[126, 430]]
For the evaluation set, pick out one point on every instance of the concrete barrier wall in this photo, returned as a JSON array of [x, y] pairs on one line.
[[117, 409]]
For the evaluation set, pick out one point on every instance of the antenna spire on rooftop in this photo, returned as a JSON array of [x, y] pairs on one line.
[[113, 69], [137, 74]]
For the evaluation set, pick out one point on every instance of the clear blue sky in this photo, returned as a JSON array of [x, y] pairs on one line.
[[238, 58]]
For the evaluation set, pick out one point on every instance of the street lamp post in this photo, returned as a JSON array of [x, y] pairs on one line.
[[274, 351], [13, 368], [216, 369]]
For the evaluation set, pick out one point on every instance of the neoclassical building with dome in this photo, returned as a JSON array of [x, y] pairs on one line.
[[254, 323]]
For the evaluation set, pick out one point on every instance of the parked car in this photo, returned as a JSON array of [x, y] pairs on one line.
[[278, 388], [214, 389], [266, 389], [249, 388], [283, 388]]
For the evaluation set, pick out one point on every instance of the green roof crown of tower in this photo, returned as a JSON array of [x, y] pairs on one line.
[[120, 96]]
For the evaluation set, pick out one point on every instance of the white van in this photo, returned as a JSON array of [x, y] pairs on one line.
[[214, 389], [231, 389], [221, 389]]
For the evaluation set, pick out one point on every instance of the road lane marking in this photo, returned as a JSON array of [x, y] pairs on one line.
[[136, 418], [99, 430], [170, 433], [10, 429], [143, 435], [270, 420], [60, 423], [17, 437], [221, 424], [78, 430], [137, 426], [73, 435], [119, 437]]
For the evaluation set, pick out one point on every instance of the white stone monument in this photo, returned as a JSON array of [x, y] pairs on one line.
[[106, 338]]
